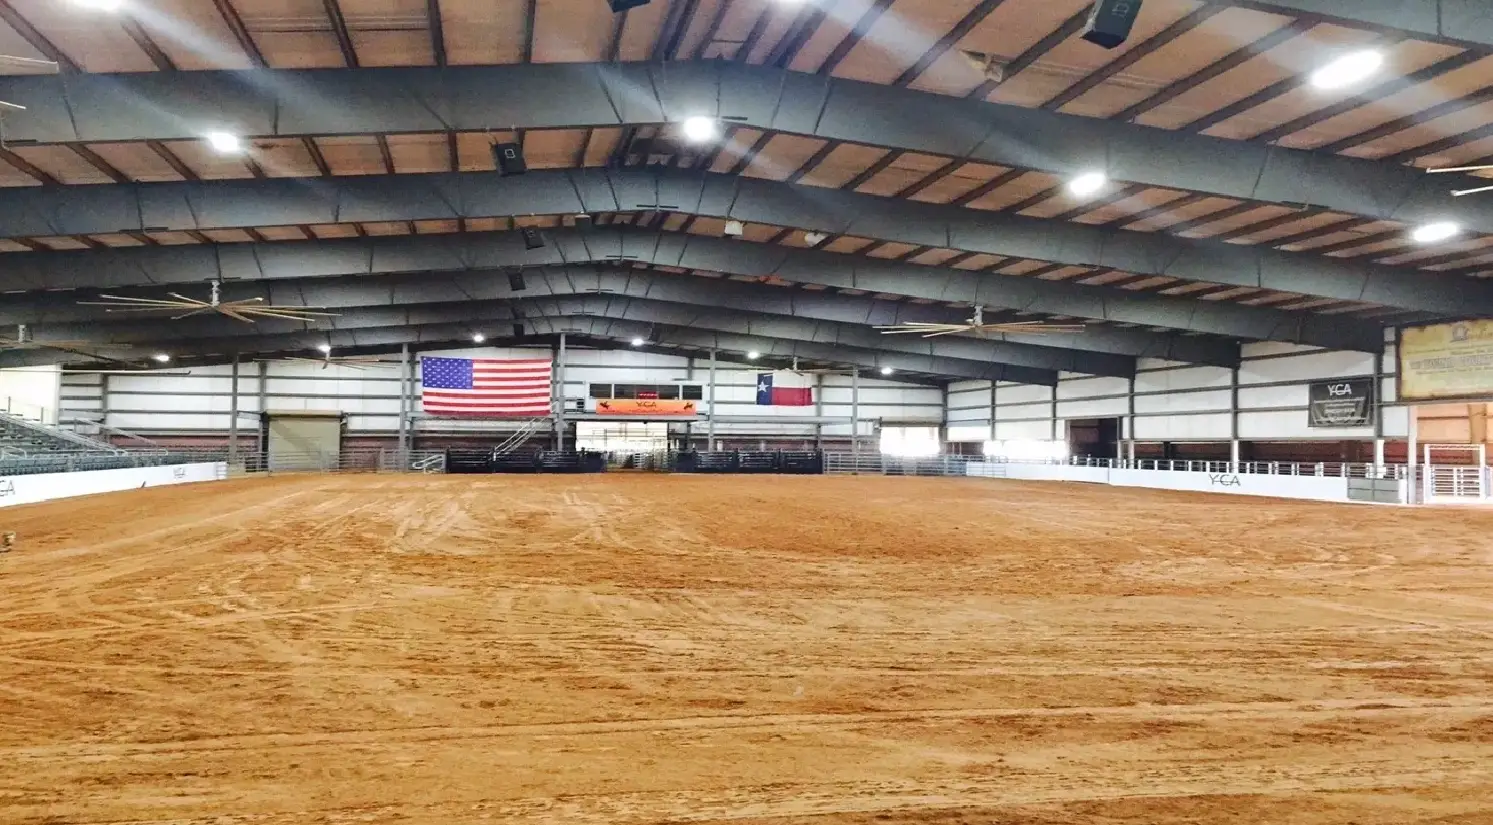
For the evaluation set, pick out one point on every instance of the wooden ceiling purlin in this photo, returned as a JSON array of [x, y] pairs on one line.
[[172, 160], [786, 49], [26, 166], [339, 29], [986, 188], [142, 39], [1380, 92], [1219, 68], [241, 33], [36, 39], [1162, 39], [856, 34], [1024, 61], [1111, 199], [1435, 147], [965, 25], [437, 25], [1424, 116], [1268, 225]]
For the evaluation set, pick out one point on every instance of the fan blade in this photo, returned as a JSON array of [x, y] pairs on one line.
[[946, 332], [260, 313], [1046, 329], [1482, 168], [298, 311], [1460, 192], [115, 300], [237, 316], [190, 312], [191, 301]]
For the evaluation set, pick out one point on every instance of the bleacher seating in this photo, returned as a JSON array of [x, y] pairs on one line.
[[24, 437]]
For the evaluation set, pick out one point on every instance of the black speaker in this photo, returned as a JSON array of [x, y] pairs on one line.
[[516, 281], [532, 238], [624, 5], [1110, 22], [509, 158], [518, 330]]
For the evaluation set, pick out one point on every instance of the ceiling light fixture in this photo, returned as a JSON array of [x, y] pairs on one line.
[[638, 342], [225, 143], [887, 370], [1088, 183], [161, 357], [1435, 232], [1348, 69], [478, 337], [324, 349], [753, 355], [699, 129]]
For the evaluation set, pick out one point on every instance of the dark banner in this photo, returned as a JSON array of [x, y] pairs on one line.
[[1342, 403]]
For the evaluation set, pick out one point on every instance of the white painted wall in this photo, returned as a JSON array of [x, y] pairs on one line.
[[1181, 402], [32, 392], [196, 400]]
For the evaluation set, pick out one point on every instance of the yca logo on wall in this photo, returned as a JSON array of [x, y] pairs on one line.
[[7, 487], [1224, 480]]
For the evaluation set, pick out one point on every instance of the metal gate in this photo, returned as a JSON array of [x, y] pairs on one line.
[[1455, 473]]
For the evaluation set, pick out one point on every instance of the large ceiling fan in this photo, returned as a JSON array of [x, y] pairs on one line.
[[357, 362], [977, 324], [245, 310], [1457, 193], [22, 340]]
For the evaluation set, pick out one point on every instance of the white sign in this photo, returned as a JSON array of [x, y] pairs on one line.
[[1316, 488], [47, 486]]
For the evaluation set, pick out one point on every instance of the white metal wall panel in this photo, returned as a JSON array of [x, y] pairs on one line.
[[1314, 366], [1092, 387], [1283, 424], [1190, 378], [1021, 393], [1195, 427], [1202, 401], [1102, 408], [1030, 430]]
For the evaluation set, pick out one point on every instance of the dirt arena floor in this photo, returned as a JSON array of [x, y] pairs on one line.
[[645, 649]]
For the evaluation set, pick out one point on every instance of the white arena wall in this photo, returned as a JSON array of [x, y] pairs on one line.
[[30, 489], [196, 401], [1182, 402]]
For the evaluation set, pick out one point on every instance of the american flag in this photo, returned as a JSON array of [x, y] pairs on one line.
[[485, 386]]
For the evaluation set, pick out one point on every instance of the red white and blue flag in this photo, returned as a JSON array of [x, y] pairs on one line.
[[785, 388], [485, 386]]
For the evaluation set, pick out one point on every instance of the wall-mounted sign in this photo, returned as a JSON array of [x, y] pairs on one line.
[[646, 407], [1341, 403], [1447, 361]]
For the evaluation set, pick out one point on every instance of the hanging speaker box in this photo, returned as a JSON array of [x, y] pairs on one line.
[[509, 158], [532, 238], [1110, 22]]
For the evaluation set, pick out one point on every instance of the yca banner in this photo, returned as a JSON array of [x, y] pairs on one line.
[[643, 406], [1341, 403], [1447, 361]]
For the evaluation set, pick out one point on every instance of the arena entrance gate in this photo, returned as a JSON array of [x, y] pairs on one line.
[[1455, 473], [302, 439]]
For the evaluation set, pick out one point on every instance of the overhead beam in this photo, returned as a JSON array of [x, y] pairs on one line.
[[293, 103], [1461, 22], [214, 205], [484, 314], [493, 285], [146, 266], [459, 333]]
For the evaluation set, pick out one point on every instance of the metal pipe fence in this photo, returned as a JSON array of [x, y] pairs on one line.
[[366, 461], [953, 465]]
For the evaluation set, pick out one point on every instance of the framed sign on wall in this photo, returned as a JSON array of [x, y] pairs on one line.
[[1446, 362], [1345, 403]]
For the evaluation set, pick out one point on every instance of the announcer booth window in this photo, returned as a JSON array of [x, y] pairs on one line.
[[601, 391], [692, 392], [910, 442]]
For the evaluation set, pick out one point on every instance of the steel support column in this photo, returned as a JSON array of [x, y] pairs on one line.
[[560, 395], [233, 412], [710, 425]]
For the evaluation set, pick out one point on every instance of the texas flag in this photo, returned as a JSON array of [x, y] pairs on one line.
[[784, 389]]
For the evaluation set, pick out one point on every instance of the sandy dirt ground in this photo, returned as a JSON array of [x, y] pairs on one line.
[[644, 649]]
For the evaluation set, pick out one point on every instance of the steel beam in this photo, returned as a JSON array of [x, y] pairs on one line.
[[390, 338], [1466, 23], [481, 316], [209, 205], [146, 266], [165, 106]]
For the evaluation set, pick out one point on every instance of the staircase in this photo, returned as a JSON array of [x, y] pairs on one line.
[[20, 436]]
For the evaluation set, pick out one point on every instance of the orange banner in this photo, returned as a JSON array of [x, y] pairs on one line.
[[625, 406]]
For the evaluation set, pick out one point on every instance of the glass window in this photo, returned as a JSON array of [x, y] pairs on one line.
[[601, 391], [693, 392]]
